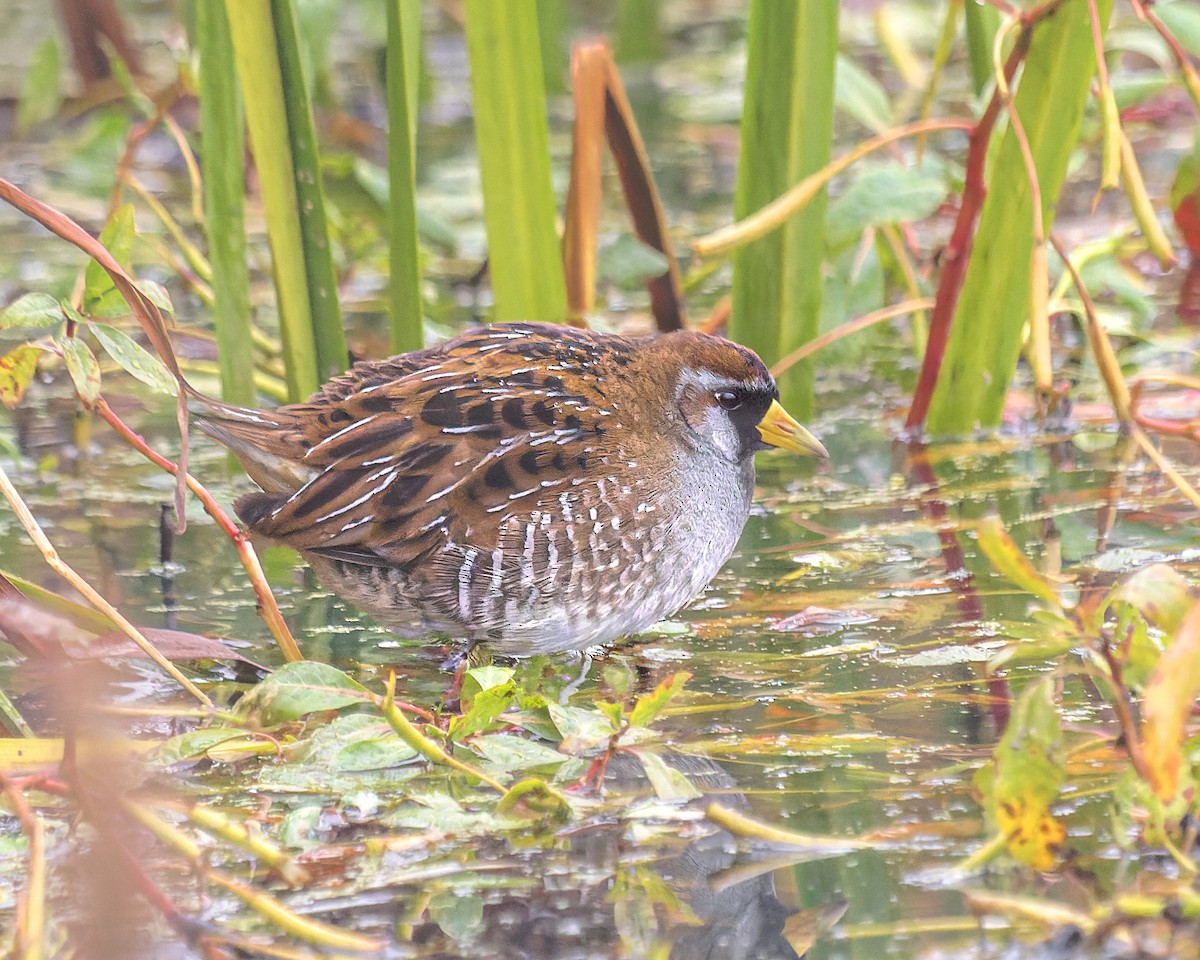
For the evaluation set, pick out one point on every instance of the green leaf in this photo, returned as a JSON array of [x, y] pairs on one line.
[[133, 358], [993, 305], [860, 95], [157, 294], [34, 311], [40, 92], [669, 784], [459, 916], [510, 752], [82, 365], [485, 707], [580, 729], [478, 679], [1182, 18], [628, 262], [1157, 592], [17, 369], [890, 193], [117, 237], [652, 704], [791, 65], [375, 753], [297, 689]]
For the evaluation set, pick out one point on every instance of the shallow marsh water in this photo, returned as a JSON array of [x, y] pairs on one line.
[[839, 687]]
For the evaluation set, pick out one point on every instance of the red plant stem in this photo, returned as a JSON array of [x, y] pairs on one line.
[[133, 140], [1098, 42], [1123, 705], [1143, 11], [957, 254], [267, 607]]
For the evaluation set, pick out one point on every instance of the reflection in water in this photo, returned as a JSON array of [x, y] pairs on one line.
[[615, 889]]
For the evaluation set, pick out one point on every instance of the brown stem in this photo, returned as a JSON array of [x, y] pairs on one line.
[[1123, 704]]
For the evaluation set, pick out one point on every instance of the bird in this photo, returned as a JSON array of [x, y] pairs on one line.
[[536, 487]]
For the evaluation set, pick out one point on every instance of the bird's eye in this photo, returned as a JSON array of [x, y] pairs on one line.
[[728, 400]]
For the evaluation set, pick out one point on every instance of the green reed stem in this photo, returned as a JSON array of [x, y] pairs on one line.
[[513, 147], [404, 297], [223, 151]]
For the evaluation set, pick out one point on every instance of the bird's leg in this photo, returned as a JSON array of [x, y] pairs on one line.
[[585, 668], [460, 661]]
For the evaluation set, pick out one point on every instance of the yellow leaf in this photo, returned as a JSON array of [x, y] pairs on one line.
[[1033, 835]]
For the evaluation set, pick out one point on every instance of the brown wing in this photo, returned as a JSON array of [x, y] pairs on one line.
[[394, 468]]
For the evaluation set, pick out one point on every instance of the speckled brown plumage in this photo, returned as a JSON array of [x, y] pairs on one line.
[[536, 486]]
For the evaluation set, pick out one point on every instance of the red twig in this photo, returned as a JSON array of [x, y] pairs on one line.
[[957, 254], [1191, 79], [267, 607]]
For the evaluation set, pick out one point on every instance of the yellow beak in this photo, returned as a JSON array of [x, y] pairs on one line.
[[779, 429]]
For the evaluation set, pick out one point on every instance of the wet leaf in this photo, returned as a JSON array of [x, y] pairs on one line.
[[133, 358], [946, 655], [746, 827], [653, 703], [82, 365], [510, 752], [669, 784], [534, 799], [581, 730], [1168, 701], [376, 753], [1006, 557], [814, 616], [34, 311], [1039, 909], [17, 369], [297, 689]]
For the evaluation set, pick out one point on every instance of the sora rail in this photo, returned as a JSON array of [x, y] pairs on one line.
[[534, 486]]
